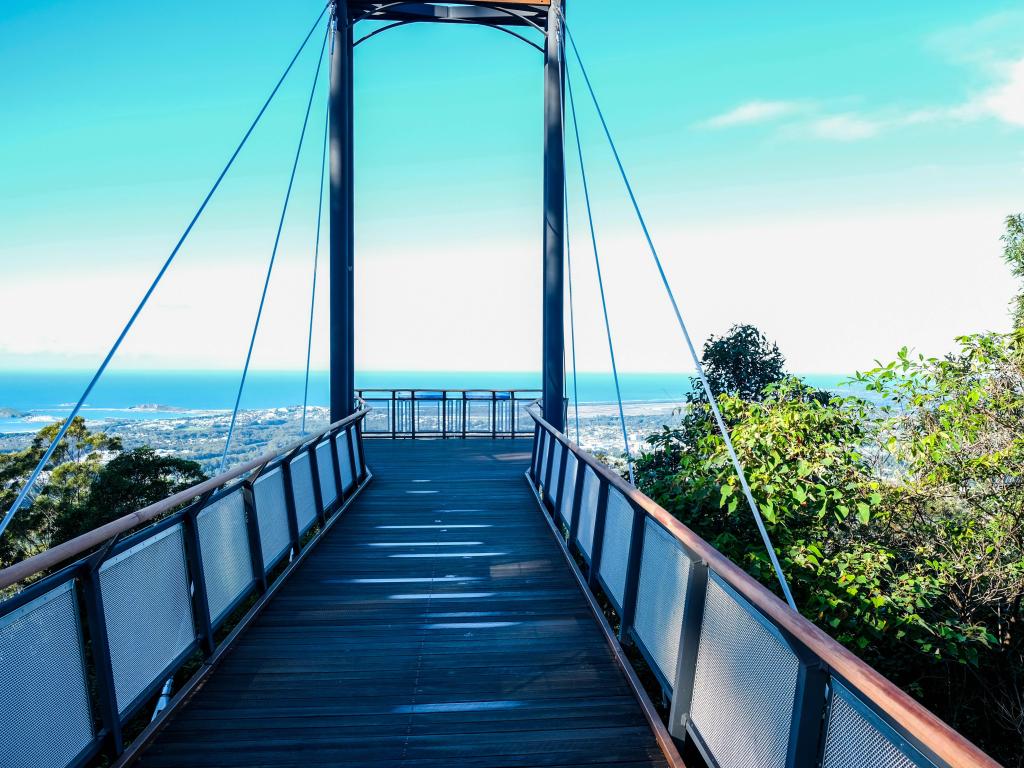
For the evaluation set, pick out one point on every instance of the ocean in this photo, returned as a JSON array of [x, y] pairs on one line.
[[29, 399]]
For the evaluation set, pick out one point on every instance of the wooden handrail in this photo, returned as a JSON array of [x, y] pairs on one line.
[[80, 544], [909, 714]]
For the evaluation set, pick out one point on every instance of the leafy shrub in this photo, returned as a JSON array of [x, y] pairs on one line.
[[897, 521]]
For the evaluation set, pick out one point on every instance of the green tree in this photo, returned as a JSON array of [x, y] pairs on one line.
[[812, 483], [898, 521], [1013, 254], [742, 362], [89, 480], [62, 489], [128, 482], [953, 431]]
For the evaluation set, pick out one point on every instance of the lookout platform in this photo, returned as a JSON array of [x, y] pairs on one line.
[[425, 603], [437, 623]]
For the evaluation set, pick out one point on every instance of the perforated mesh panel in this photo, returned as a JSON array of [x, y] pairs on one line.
[[302, 490], [551, 492], [565, 511], [854, 742], [745, 674], [661, 594], [148, 611], [325, 468], [618, 527], [588, 511], [272, 516], [45, 719], [224, 545], [344, 460]]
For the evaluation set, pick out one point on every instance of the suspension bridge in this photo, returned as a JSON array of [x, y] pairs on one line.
[[438, 578]]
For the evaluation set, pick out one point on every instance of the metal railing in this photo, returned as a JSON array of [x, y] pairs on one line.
[[82, 651], [448, 413], [750, 681]]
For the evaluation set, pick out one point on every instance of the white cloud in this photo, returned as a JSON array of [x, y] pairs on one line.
[[991, 47], [1005, 101], [753, 112], [984, 42], [845, 127]]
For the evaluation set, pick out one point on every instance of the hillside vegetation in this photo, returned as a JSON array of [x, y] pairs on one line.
[[898, 517]]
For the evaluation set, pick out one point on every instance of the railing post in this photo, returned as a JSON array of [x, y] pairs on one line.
[[352, 438], [252, 525], [549, 461], [808, 710], [289, 501], [412, 417], [194, 557], [394, 414], [689, 640], [92, 599], [629, 592], [577, 501], [600, 515], [318, 497], [357, 437], [535, 456], [562, 464], [339, 492], [494, 414]]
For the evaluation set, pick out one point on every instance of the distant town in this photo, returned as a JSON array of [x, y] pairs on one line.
[[200, 436]]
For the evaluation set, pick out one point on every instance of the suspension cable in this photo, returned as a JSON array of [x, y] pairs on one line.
[[26, 489], [273, 254], [316, 260], [600, 281], [686, 335]]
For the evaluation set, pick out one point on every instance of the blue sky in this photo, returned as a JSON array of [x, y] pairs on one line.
[[836, 174]]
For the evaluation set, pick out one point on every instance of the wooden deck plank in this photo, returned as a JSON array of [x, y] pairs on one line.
[[436, 624]]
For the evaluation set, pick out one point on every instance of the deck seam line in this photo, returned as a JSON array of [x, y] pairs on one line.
[[419, 660], [661, 734]]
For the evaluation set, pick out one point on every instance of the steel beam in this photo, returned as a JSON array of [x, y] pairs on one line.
[[342, 292], [517, 14], [554, 225]]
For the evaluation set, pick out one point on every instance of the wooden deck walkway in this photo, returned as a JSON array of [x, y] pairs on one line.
[[436, 624]]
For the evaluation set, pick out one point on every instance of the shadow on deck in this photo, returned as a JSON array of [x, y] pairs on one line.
[[436, 624]]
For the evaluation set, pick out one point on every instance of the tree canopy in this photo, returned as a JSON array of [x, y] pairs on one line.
[[90, 480], [742, 363]]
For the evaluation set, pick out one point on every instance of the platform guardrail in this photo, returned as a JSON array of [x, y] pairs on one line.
[[751, 682], [448, 413], [83, 650]]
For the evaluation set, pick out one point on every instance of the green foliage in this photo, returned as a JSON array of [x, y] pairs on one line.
[[62, 490], [1013, 254], [128, 482], [742, 363], [814, 488], [899, 521], [90, 480], [953, 433]]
